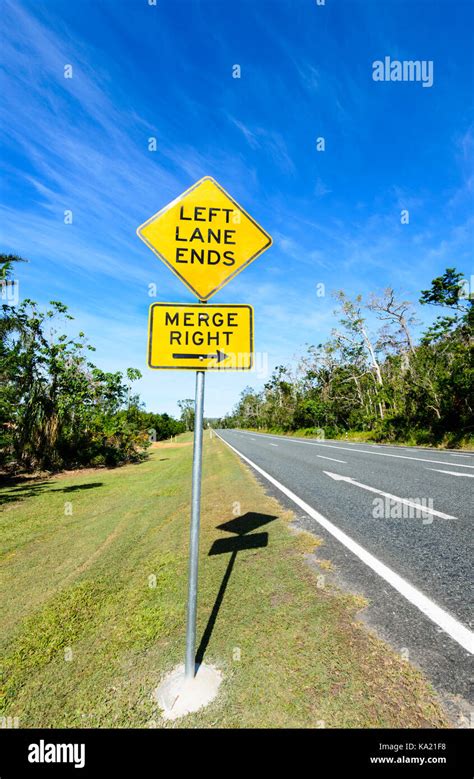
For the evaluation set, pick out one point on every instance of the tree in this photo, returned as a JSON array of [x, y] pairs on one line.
[[396, 313], [6, 265], [449, 291], [354, 340], [386, 382], [186, 407], [57, 408]]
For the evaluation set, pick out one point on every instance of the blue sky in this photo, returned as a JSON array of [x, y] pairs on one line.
[[166, 71]]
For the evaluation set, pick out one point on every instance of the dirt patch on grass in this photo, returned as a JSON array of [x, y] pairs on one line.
[[30, 478]]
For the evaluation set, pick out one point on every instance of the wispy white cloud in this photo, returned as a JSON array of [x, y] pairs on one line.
[[320, 188], [82, 144], [267, 141]]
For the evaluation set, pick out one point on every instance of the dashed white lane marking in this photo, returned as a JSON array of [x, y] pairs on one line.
[[331, 458], [419, 506], [452, 473], [273, 444], [378, 454], [458, 632]]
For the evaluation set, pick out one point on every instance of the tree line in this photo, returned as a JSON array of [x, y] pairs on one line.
[[57, 408], [380, 382]]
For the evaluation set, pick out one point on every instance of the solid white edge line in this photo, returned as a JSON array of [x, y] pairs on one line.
[[458, 632], [362, 451]]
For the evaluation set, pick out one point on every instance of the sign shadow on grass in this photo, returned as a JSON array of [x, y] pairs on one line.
[[243, 539]]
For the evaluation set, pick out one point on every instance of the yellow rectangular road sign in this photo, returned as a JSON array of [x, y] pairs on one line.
[[205, 237], [200, 337]]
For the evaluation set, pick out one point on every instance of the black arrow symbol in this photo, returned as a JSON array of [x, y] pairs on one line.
[[219, 356]]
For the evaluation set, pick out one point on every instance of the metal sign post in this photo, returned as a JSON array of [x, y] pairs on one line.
[[206, 238], [194, 532]]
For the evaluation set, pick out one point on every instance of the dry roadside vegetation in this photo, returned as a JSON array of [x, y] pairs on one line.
[[93, 582]]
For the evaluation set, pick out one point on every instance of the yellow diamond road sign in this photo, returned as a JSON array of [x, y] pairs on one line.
[[205, 237], [200, 337]]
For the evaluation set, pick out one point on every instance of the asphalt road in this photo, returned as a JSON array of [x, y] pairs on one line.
[[429, 550]]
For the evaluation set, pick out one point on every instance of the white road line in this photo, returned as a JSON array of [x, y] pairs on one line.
[[458, 632], [459, 455], [406, 501], [364, 451], [331, 458], [273, 444], [452, 473]]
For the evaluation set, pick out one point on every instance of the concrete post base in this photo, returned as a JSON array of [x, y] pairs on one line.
[[178, 696]]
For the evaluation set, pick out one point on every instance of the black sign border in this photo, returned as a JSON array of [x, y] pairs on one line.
[[200, 307], [163, 210]]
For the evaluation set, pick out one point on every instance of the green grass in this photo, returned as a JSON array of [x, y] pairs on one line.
[[417, 437], [86, 639]]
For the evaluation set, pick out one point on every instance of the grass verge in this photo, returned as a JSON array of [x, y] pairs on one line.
[[93, 581], [418, 438]]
